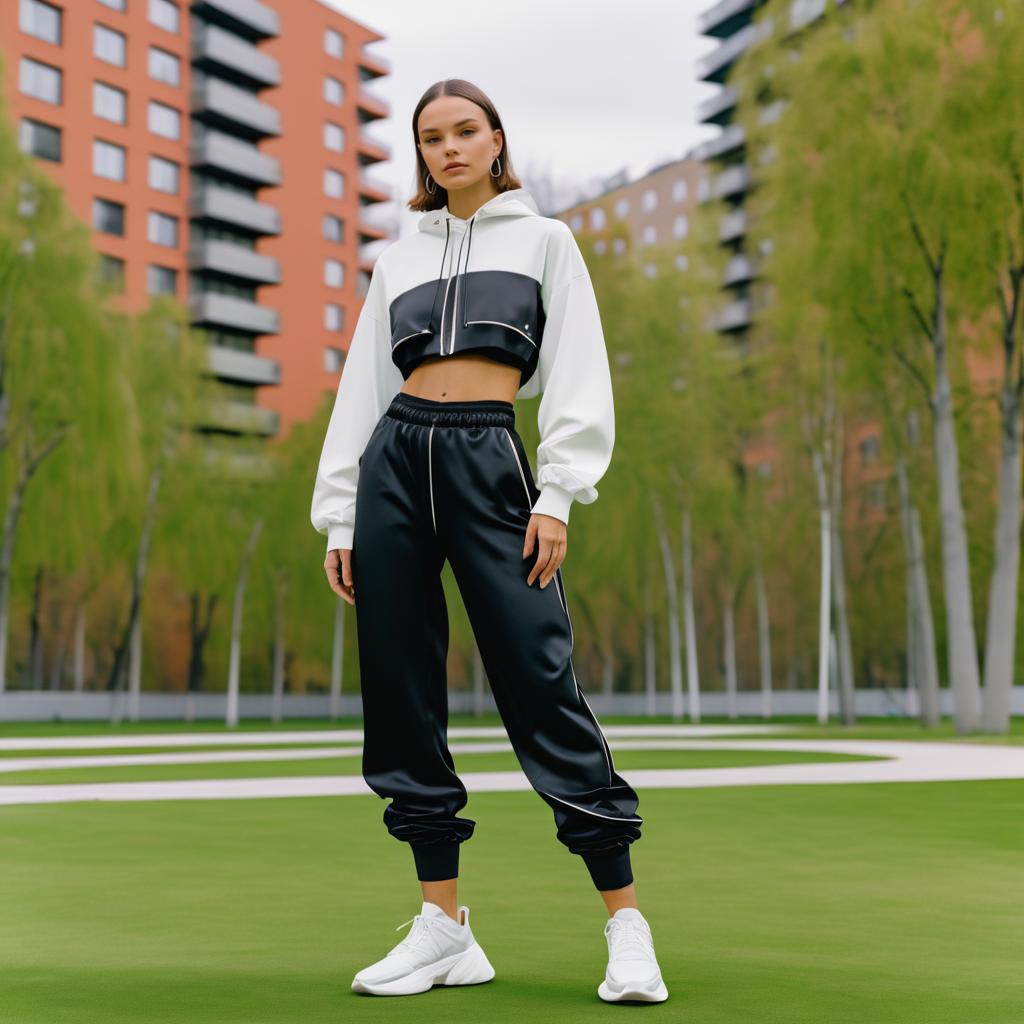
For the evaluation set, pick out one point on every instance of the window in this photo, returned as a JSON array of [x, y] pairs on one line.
[[164, 14], [161, 280], [649, 201], [115, 5], [40, 20], [682, 262], [333, 316], [334, 183], [334, 359], [164, 66], [679, 190], [622, 207], [601, 246], [334, 136], [109, 45], [40, 81], [649, 235], [110, 271], [703, 189], [163, 229], [164, 120], [334, 273], [109, 103], [108, 216], [39, 139], [334, 91], [163, 175], [334, 44], [764, 469], [108, 160], [869, 449], [597, 218], [680, 226], [876, 495], [618, 246], [576, 223], [334, 228], [650, 270]]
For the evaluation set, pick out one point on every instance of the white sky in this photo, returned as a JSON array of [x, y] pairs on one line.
[[585, 88]]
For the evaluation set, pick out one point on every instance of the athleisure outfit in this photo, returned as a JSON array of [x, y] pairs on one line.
[[407, 482]]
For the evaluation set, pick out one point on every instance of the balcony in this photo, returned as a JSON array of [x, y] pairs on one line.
[[734, 316], [714, 67], [243, 367], [374, 64], [733, 181], [224, 54], [227, 106], [210, 202], [371, 105], [728, 141], [239, 417], [732, 226], [241, 160], [230, 311], [726, 17], [718, 108], [242, 17], [224, 257], [738, 270], [376, 189]]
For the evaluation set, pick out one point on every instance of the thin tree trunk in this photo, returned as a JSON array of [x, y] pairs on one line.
[[824, 595], [847, 697], [650, 666], [729, 651], [764, 642], [280, 646], [478, 682], [675, 661], [692, 667], [79, 656], [235, 663], [337, 657]]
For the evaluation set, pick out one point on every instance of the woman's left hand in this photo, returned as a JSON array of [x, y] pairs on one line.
[[549, 533]]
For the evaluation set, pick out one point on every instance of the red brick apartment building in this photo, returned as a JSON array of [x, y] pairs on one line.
[[219, 149]]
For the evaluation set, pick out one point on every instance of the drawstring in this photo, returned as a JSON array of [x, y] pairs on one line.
[[440, 273], [465, 296]]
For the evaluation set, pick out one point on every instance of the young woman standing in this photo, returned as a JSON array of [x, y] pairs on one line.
[[488, 301]]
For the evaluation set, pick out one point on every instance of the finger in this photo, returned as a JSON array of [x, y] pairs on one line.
[[557, 557], [543, 557], [531, 536]]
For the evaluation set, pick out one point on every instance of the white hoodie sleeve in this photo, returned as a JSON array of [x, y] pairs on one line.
[[576, 415], [369, 380]]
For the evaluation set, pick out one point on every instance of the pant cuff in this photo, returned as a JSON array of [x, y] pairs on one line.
[[437, 861], [609, 869]]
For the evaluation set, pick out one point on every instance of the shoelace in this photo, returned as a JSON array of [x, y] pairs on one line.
[[629, 937], [420, 929]]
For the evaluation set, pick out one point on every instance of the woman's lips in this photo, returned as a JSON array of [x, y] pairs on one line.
[[457, 167]]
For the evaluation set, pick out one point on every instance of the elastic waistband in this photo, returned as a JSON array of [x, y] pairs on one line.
[[481, 412]]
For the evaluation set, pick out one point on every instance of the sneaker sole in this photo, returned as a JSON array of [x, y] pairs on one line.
[[470, 967], [654, 993]]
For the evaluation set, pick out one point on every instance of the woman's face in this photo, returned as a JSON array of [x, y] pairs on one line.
[[454, 130]]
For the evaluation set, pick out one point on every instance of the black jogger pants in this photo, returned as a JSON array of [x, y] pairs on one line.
[[451, 480]]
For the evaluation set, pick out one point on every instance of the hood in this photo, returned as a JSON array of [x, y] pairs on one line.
[[515, 202]]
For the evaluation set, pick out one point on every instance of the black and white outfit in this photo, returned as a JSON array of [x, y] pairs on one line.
[[407, 482]]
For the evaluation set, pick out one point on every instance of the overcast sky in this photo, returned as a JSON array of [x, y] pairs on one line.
[[585, 88]]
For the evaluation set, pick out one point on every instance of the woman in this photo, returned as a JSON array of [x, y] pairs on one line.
[[488, 301]]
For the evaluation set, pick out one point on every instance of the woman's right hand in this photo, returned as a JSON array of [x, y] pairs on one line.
[[339, 573]]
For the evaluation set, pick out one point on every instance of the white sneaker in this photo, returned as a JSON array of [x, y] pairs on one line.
[[633, 971], [437, 951]]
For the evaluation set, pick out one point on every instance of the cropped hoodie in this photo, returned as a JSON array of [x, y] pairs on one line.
[[510, 284]]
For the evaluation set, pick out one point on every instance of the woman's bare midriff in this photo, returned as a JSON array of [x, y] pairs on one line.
[[463, 377]]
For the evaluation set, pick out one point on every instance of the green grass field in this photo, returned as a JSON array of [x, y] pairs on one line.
[[888, 903]]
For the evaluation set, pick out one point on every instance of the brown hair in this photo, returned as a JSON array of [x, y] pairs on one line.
[[423, 200]]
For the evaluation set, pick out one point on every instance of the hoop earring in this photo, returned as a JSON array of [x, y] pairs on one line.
[[498, 175], [429, 189]]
